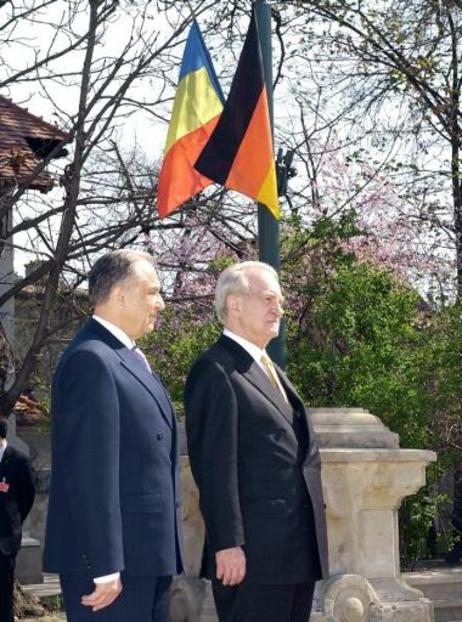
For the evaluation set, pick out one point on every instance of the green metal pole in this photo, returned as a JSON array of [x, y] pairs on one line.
[[268, 226]]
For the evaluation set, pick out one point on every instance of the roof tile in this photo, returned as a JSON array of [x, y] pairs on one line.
[[24, 139]]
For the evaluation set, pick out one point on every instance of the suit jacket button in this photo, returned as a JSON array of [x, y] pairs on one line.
[[160, 436]]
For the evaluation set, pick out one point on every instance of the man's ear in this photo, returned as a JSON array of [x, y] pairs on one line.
[[119, 294], [233, 304]]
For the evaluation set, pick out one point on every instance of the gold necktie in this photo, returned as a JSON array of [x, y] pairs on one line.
[[272, 373]]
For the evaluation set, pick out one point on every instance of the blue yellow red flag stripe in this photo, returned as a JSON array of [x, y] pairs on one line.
[[196, 110]]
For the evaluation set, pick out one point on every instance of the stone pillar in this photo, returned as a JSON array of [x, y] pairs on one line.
[[365, 478], [14, 440]]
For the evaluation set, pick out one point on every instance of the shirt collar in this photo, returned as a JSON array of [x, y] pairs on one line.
[[254, 351], [116, 331]]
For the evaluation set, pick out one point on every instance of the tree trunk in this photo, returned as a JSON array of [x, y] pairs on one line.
[[72, 184]]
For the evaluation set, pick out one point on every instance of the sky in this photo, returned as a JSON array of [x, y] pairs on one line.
[[56, 100]]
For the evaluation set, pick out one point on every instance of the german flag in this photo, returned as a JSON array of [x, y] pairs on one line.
[[239, 154], [196, 110]]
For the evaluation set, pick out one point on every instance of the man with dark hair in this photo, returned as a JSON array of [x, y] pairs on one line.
[[114, 511], [255, 461], [16, 498]]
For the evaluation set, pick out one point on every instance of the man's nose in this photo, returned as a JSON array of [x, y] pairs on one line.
[[160, 304], [279, 309]]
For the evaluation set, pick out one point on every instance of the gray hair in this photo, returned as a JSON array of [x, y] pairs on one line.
[[235, 280], [110, 270]]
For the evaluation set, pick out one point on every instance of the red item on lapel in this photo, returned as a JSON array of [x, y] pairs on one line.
[[4, 487]]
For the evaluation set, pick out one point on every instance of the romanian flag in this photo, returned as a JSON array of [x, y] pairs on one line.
[[239, 154], [196, 110]]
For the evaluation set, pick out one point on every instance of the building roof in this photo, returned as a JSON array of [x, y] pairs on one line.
[[25, 139]]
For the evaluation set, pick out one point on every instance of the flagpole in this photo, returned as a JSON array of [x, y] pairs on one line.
[[268, 226]]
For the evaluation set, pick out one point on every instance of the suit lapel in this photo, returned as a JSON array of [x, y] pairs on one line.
[[291, 390], [150, 381], [254, 374], [5, 465], [133, 364], [6, 458]]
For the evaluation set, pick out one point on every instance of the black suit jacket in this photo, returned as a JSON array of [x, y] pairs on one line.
[[16, 503], [115, 495], [259, 486]]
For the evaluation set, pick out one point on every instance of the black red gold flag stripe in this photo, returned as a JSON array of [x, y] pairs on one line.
[[239, 153]]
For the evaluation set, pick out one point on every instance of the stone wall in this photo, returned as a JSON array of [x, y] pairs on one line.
[[68, 314]]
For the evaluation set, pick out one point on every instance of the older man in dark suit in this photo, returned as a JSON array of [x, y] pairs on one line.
[[17, 493], [114, 512], [254, 458]]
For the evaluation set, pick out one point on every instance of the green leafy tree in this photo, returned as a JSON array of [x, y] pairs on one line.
[[357, 336], [386, 77], [181, 335]]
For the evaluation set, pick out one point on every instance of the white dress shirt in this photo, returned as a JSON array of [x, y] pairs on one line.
[[129, 343], [255, 352], [116, 331], [2, 449]]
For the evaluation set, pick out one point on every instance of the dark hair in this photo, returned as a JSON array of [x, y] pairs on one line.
[[3, 427], [111, 269]]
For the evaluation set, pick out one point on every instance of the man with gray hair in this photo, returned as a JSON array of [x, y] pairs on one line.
[[255, 460], [114, 511]]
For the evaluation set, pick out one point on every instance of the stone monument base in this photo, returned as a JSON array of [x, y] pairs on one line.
[[341, 598], [352, 598], [29, 561]]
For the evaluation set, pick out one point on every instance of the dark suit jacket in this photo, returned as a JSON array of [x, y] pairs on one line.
[[114, 498], [17, 502], [259, 487]]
